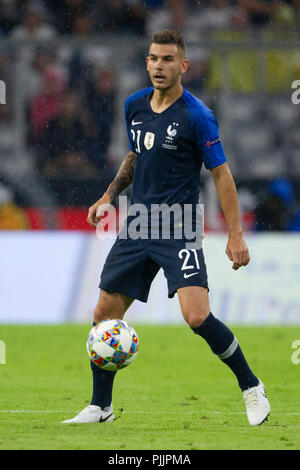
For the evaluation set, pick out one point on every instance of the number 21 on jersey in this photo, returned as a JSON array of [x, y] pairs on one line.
[[148, 140]]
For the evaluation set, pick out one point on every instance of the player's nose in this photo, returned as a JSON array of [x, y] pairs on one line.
[[158, 65]]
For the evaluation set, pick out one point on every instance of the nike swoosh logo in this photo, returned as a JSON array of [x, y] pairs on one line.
[[101, 420], [189, 275], [135, 123]]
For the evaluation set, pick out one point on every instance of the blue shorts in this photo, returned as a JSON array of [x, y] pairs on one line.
[[131, 266]]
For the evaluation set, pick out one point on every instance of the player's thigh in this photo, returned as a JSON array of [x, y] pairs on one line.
[[194, 304], [111, 305]]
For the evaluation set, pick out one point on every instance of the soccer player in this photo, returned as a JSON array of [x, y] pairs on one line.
[[171, 133]]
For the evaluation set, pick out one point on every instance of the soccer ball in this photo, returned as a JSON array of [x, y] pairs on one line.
[[112, 344]]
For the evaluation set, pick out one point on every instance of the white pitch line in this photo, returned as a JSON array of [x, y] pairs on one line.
[[152, 412], [35, 411]]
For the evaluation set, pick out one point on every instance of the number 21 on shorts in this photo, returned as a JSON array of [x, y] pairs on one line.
[[190, 261]]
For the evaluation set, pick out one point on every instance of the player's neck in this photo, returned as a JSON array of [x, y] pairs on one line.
[[162, 99]]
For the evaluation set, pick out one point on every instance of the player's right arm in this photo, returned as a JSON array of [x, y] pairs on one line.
[[122, 180]]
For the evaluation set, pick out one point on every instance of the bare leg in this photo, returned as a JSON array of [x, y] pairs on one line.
[[194, 304], [111, 305]]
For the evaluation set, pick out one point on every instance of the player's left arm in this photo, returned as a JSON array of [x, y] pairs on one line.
[[236, 249]]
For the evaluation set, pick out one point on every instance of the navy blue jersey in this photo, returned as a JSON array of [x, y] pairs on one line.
[[171, 147]]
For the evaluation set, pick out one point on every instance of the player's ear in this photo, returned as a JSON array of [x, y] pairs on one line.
[[147, 61], [185, 65]]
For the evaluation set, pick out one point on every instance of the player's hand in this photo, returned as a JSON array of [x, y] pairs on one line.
[[237, 251], [97, 210]]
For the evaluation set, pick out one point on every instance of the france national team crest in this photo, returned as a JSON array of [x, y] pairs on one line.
[[171, 134], [172, 131], [149, 140]]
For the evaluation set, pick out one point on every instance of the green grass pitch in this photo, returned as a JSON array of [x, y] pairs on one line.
[[176, 395]]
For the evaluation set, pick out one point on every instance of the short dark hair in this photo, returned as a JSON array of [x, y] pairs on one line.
[[167, 36]]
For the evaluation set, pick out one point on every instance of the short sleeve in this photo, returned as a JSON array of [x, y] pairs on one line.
[[208, 140], [129, 134]]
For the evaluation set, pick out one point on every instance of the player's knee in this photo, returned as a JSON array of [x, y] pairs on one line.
[[195, 318]]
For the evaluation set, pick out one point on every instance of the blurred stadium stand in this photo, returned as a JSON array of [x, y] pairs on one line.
[[69, 65]]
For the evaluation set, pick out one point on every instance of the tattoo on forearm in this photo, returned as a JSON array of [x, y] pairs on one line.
[[124, 176]]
